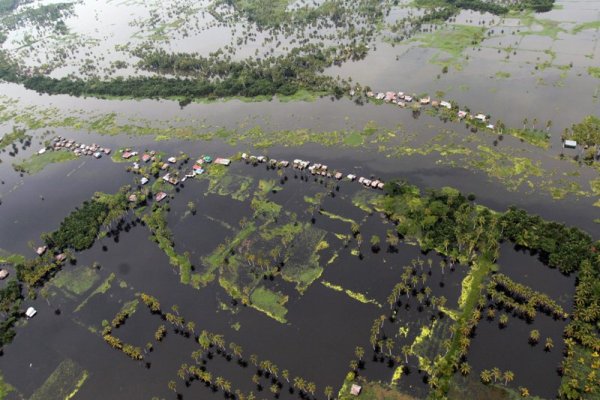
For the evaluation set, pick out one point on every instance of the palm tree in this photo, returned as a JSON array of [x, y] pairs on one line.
[[406, 350], [191, 325], [359, 352], [226, 386], [286, 375], [486, 376], [534, 336], [219, 381], [503, 320], [508, 377], [175, 309], [328, 392], [353, 365], [254, 359], [311, 387], [524, 391], [465, 368], [172, 386], [549, 344], [274, 389], [496, 373]]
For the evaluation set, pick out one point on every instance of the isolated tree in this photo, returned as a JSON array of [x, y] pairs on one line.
[[359, 352], [465, 368], [328, 391], [508, 376], [172, 386]]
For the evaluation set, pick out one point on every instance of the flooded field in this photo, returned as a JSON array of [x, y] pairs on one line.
[[180, 264]]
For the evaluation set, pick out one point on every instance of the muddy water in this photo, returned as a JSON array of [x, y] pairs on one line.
[[324, 325]]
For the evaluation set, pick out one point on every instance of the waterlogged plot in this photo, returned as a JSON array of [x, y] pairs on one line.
[[276, 199], [64, 382]]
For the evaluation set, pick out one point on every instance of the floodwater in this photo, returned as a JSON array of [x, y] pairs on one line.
[[324, 325]]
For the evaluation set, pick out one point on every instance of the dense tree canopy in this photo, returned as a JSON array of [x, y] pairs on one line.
[[587, 131]]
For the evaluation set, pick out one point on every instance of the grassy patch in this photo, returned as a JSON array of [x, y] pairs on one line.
[[336, 217], [270, 303], [5, 388], [354, 295], [534, 137], [585, 26], [548, 27], [77, 280], [10, 138], [101, 289], [302, 258], [502, 75], [6, 257], [354, 139], [38, 162], [63, 383], [452, 41], [594, 71]]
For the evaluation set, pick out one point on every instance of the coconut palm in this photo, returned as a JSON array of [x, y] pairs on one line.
[[486, 376], [534, 336], [406, 350], [465, 368], [496, 373], [359, 352], [549, 344], [328, 392], [508, 376], [503, 320], [172, 386]]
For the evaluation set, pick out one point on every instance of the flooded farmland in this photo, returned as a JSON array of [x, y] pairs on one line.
[[299, 199]]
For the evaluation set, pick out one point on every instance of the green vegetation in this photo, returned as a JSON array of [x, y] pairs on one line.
[[594, 71], [17, 135], [5, 388], [550, 28], [520, 298], [452, 41], [277, 75], [10, 310], [535, 137], [79, 230], [502, 75], [101, 289], [63, 383], [77, 280], [38, 162], [161, 234], [370, 390], [269, 302], [585, 26], [354, 295]]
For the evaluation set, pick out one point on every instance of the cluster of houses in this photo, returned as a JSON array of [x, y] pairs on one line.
[[402, 100], [79, 149], [315, 169], [171, 177]]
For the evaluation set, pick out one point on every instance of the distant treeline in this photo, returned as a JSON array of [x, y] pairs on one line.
[[209, 77], [499, 9]]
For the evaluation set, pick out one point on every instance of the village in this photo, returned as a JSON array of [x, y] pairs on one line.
[[402, 99]]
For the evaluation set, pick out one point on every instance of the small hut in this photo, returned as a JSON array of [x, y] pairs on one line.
[[355, 389]]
